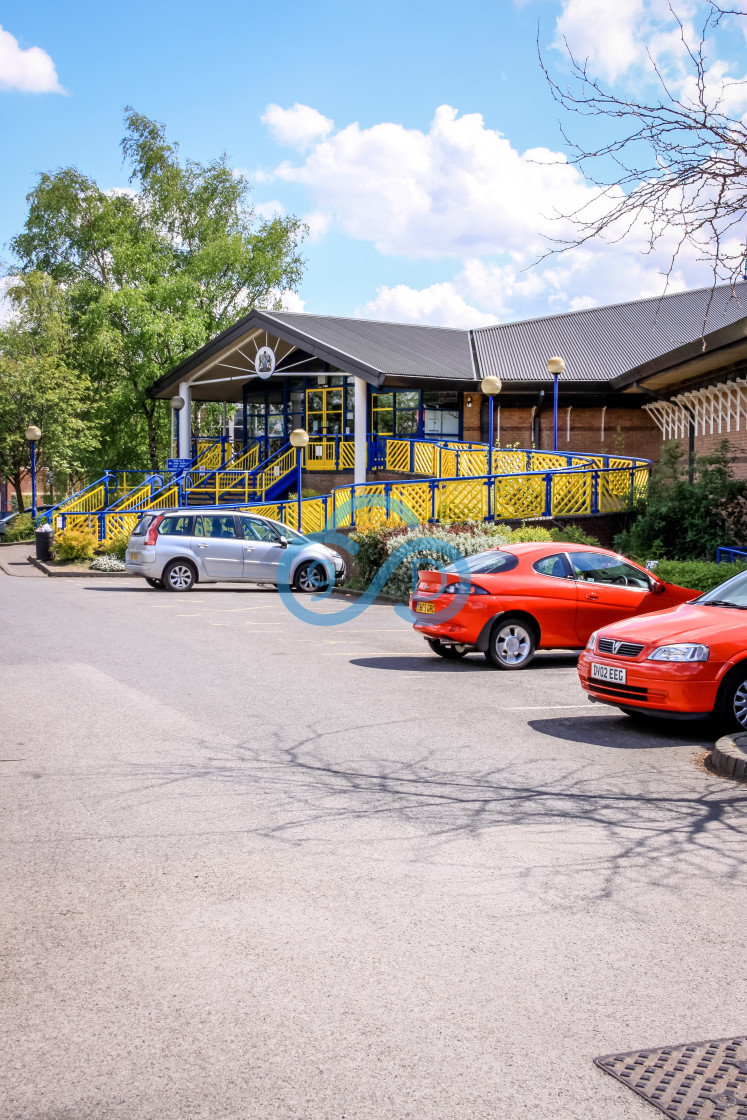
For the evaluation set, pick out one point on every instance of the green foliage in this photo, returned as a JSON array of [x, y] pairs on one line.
[[701, 575], [21, 528], [152, 274], [115, 546], [571, 534], [73, 544], [684, 521], [40, 384]]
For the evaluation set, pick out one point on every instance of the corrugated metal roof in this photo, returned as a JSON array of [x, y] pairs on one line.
[[601, 343], [394, 349]]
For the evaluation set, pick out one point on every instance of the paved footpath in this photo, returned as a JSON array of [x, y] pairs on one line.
[[255, 869]]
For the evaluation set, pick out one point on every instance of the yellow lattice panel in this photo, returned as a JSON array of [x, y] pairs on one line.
[[312, 515], [83, 523], [448, 464], [463, 501], [521, 496], [571, 493], [415, 496], [116, 524], [472, 463], [397, 455], [509, 462], [614, 491], [347, 454], [426, 459]]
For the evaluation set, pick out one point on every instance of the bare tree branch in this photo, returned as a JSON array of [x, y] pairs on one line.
[[672, 167]]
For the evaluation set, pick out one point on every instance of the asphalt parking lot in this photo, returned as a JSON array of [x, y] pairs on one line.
[[258, 868]]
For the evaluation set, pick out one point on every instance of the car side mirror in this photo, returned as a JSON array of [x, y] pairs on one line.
[[658, 587], [283, 542]]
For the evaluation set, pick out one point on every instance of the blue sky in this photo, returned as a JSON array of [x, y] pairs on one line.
[[400, 131]]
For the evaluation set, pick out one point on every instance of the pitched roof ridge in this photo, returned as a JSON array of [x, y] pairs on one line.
[[377, 322], [608, 306]]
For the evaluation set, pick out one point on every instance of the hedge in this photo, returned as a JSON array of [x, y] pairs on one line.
[[701, 575]]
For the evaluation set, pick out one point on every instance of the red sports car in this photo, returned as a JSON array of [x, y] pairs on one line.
[[686, 663], [515, 599]]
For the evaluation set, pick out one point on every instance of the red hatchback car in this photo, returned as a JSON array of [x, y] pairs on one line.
[[515, 599], [685, 663]]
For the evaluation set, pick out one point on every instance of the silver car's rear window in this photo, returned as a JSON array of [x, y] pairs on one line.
[[142, 525]]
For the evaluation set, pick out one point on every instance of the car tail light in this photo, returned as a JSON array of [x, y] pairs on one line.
[[152, 534]]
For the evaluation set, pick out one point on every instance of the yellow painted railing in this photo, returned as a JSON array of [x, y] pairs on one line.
[[574, 492]]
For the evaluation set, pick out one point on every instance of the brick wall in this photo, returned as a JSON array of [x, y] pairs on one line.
[[627, 431], [471, 416], [705, 445]]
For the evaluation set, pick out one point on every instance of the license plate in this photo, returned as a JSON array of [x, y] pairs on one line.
[[608, 673], [135, 556], [425, 608]]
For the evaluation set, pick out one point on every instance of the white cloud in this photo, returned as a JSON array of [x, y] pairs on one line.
[[318, 222], [297, 127], [620, 39], [292, 301], [439, 305], [269, 210], [29, 70], [458, 190]]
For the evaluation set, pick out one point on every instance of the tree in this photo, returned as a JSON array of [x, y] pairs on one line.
[[39, 385], [153, 272], [672, 165]]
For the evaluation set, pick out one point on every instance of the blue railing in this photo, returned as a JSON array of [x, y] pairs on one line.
[[731, 556]]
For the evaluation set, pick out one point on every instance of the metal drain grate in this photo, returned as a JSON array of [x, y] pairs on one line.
[[703, 1080]]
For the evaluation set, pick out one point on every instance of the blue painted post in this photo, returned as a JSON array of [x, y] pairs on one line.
[[595, 491], [548, 495], [555, 413], [412, 457], [352, 506], [490, 458], [298, 477], [33, 479]]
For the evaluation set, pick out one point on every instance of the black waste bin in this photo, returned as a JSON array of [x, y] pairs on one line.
[[43, 537]]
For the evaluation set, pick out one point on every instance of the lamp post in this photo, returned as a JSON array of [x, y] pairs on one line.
[[177, 404], [491, 387], [32, 435], [555, 366], [299, 439]]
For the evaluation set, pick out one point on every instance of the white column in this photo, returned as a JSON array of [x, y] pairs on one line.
[[185, 421], [361, 428]]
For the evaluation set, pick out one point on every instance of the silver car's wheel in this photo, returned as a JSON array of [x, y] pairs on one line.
[[739, 704], [179, 576], [512, 644], [311, 576]]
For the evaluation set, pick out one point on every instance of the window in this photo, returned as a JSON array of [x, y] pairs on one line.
[[557, 566], [256, 530], [325, 414], [142, 525], [489, 563], [176, 527], [595, 568], [440, 413], [216, 525]]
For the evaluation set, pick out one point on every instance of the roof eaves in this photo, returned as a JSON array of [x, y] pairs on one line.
[[724, 336]]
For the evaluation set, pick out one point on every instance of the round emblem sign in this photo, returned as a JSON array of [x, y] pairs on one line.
[[264, 363]]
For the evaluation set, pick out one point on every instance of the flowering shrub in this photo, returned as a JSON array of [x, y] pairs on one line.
[[108, 564]]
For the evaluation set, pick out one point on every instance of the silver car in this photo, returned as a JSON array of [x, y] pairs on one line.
[[177, 548]]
